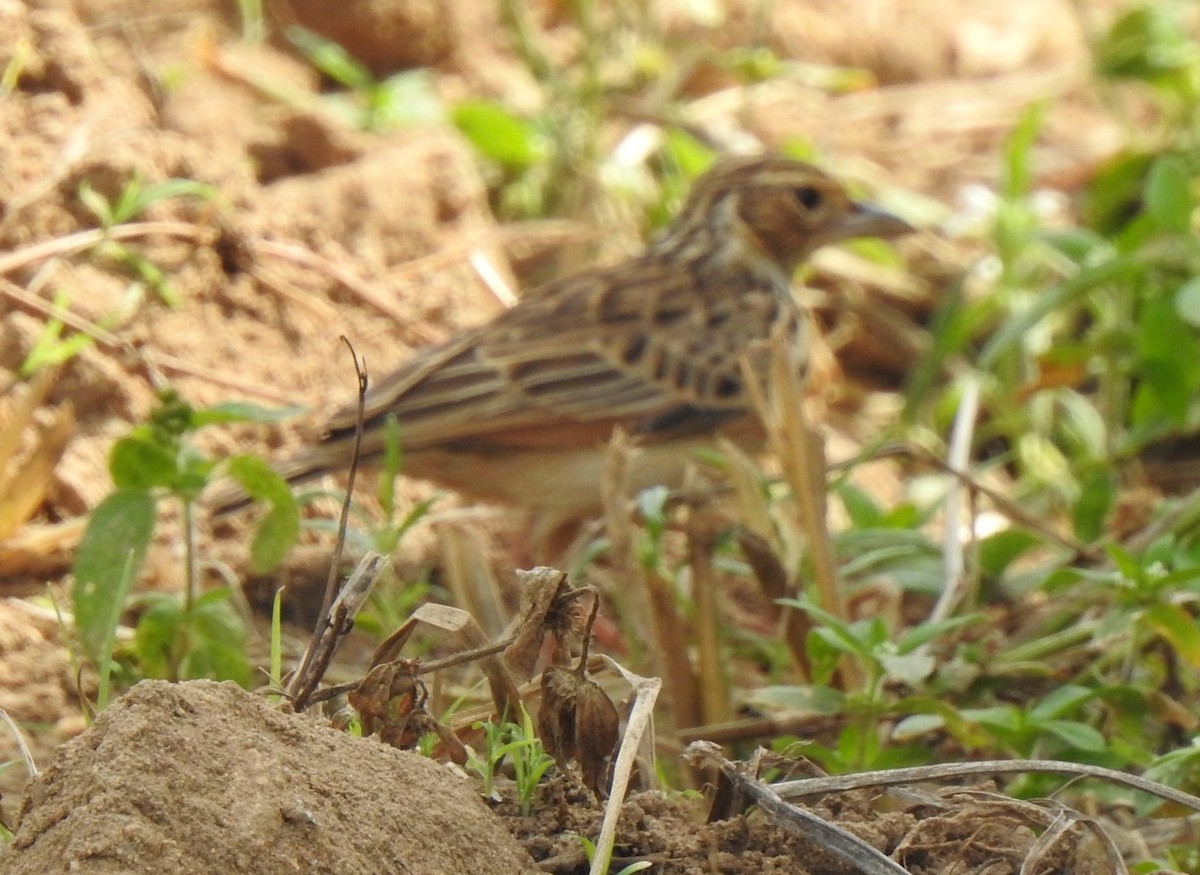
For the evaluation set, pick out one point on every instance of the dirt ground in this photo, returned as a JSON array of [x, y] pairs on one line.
[[316, 231]]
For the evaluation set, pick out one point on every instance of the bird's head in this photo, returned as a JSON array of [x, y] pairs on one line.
[[779, 208]]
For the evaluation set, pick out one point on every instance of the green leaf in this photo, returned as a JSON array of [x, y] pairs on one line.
[[1019, 150], [393, 459], [498, 134], [108, 561], [259, 479], [409, 98], [1111, 199], [195, 470], [1126, 564], [1177, 627], [1095, 501], [1168, 195], [1004, 718], [49, 348], [691, 156], [1166, 381], [1147, 42], [1187, 302], [862, 509], [138, 462], [331, 59], [96, 203], [218, 641], [158, 630], [998, 551], [1077, 735], [173, 188], [917, 725], [280, 527], [909, 668], [1014, 330], [920, 635], [804, 698], [1062, 701], [276, 535]]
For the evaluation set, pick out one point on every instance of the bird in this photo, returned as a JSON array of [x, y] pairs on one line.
[[519, 410]]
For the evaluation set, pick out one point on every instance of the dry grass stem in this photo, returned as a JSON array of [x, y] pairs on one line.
[[639, 730], [795, 820], [801, 453], [486, 270], [776, 584], [349, 279], [326, 313], [25, 477], [50, 310], [22, 747], [335, 623], [955, 583], [655, 608], [469, 576], [985, 769], [505, 695], [80, 241], [702, 530], [42, 549]]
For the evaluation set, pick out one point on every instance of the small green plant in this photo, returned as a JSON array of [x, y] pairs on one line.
[[517, 742], [50, 347], [131, 202], [22, 54], [370, 104], [192, 635], [275, 670]]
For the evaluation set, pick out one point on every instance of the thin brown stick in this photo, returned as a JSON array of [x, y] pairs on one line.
[[83, 240], [22, 747], [714, 687], [801, 453], [348, 278], [306, 679], [894, 777], [794, 819]]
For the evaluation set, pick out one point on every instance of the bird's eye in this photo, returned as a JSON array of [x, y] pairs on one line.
[[809, 197]]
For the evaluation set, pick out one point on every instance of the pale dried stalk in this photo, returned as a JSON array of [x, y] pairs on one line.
[[794, 819], [714, 691], [654, 598], [639, 727], [801, 453], [469, 576], [955, 584], [24, 486]]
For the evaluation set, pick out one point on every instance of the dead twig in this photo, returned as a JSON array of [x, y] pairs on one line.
[[83, 240], [22, 747], [338, 609], [792, 818], [801, 453], [892, 777]]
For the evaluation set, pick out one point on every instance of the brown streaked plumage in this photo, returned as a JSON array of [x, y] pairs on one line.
[[520, 409]]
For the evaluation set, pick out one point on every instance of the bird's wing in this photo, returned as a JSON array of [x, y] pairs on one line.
[[645, 345]]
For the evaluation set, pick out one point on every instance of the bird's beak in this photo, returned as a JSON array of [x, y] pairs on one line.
[[868, 220]]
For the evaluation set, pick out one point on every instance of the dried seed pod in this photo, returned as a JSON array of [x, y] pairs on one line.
[[556, 719], [596, 728]]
